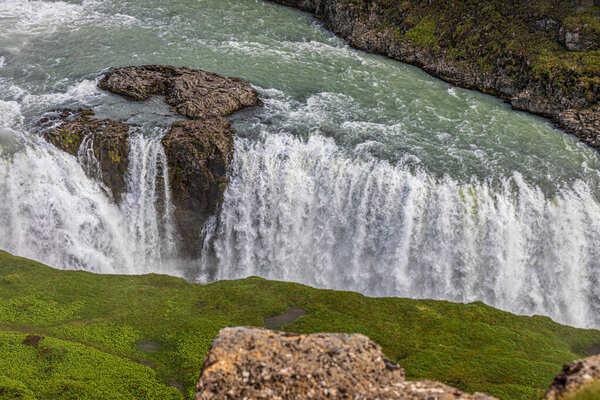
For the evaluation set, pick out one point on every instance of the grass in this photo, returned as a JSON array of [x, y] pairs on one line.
[[121, 337]]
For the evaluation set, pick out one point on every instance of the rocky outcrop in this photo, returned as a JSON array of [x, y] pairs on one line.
[[191, 93], [252, 363], [101, 146], [198, 150], [574, 377], [198, 153], [368, 27]]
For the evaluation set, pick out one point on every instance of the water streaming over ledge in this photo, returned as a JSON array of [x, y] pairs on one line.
[[304, 212], [359, 173]]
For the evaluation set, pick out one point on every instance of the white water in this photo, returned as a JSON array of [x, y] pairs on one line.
[[303, 211], [359, 173], [50, 210]]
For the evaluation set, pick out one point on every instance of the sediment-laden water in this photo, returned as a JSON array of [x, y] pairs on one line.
[[359, 173]]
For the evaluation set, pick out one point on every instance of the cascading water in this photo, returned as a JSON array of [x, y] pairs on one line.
[[303, 211], [147, 203], [50, 210], [359, 173]]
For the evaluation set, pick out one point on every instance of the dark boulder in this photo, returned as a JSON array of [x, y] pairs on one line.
[[198, 153], [192, 93]]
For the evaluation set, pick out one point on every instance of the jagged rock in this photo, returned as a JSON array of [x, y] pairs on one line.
[[573, 377], [101, 145], [584, 123], [198, 153], [192, 93], [576, 40], [257, 363]]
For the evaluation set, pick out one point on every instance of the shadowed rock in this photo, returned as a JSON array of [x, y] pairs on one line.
[[573, 377], [198, 153], [256, 363], [33, 340]]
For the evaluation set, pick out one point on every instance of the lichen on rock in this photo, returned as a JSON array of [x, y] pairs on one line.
[[573, 377], [256, 363]]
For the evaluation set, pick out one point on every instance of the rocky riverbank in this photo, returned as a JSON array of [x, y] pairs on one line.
[[542, 57], [198, 149]]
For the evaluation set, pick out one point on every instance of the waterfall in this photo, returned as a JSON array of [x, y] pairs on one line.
[[305, 212], [51, 211], [147, 203]]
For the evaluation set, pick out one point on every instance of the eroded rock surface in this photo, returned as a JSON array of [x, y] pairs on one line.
[[257, 363], [573, 377], [101, 146], [192, 93]]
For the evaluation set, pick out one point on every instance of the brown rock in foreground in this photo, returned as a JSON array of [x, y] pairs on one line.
[[256, 363], [192, 93], [573, 377], [101, 146]]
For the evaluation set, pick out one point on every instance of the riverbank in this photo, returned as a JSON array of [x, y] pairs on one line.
[[150, 333], [542, 57]]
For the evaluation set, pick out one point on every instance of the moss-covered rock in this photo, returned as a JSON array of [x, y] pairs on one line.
[[543, 56], [102, 146]]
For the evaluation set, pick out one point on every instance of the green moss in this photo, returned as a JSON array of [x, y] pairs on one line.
[[119, 322], [501, 37], [59, 369], [423, 34], [114, 156]]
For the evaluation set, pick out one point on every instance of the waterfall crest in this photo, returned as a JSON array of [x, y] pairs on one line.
[[304, 212]]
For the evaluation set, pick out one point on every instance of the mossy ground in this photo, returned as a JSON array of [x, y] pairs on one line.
[[503, 37], [122, 337]]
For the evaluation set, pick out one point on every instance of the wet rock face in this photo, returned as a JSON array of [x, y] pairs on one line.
[[192, 93], [260, 364], [198, 153], [101, 146], [573, 377]]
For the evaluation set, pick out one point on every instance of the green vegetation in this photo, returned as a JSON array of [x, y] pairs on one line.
[[590, 392], [122, 337], [519, 39]]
